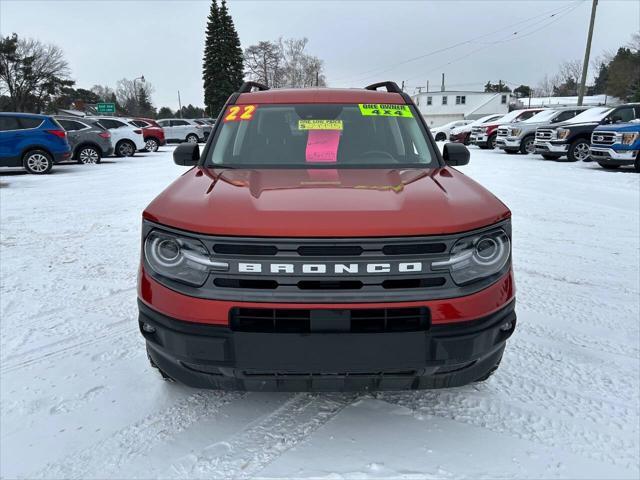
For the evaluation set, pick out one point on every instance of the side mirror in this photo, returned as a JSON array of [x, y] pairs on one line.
[[455, 154], [187, 154]]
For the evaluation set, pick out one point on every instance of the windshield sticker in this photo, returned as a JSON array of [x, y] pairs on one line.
[[322, 146], [384, 110], [319, 124], [236, 113]]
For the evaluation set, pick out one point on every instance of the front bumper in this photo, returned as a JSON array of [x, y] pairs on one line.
[[208, 356], [508, 143], [478, 139], [551, 148], [613, 157]]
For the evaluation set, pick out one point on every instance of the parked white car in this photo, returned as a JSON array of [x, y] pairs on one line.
[[441, 133], [126, 139], [181, 130]]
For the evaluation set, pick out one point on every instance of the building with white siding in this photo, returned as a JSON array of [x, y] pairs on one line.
[[439, 108]]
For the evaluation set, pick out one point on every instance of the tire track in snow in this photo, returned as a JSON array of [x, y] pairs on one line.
[[104, 458], [501, 416], [19, 362], [251, 450]]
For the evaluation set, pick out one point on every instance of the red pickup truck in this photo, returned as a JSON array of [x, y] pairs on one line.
[[321, 241], [485, 135]]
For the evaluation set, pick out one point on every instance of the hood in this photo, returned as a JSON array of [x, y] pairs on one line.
[[620, 127], [579, 125], [326, 203]]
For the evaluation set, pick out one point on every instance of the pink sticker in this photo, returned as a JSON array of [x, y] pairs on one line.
[[322, 146]]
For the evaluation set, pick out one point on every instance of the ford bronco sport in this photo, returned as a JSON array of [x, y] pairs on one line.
[[322, 242]]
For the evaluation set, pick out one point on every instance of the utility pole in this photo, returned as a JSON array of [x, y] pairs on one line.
[[179, 104], [587, 52], [402, 88], [427, 86], [442, 87]]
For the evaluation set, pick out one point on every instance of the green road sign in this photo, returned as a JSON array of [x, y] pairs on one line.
[[106, 107]]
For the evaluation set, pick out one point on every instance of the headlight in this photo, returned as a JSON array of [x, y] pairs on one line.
[[179, 258], [562, 133], [629, 138], [477, 257], [484, 129], [515, 132]]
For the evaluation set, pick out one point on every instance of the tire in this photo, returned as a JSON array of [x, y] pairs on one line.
[[151, 145], [88, 155], [440, 137], [527, 145], [578, 151], [511, 152], [608, 166], [37, 162], [491, 142], [636, 164], [550, 157], [125, 148], [192, 138]]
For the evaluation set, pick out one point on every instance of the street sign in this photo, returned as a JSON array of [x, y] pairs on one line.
[[106, 107]]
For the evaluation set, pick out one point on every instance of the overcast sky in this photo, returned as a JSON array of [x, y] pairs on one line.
[[360, 41]]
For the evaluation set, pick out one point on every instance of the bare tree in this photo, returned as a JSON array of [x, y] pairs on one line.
[[570, 70], [264, 63], [31, 72], [104, 93], [133, 96], [545, 87]]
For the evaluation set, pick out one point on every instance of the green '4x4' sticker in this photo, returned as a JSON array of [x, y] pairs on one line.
[[384, 110]]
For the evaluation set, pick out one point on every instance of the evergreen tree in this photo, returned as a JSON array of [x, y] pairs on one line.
[[222, 69], [600, 82], [145, 107], [165, 112]]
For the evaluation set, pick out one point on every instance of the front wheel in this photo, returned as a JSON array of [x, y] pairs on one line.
[[37, 162], [88, 156], [491, 143], [191, 138], [550, 157], [151, 145], [578, 151], [527, 145], [125, 148], [441, 137], [636, 164]]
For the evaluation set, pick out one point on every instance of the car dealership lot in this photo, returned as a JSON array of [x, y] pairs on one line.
[[78, 398]]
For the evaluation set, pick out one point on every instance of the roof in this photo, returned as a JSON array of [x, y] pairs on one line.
[[320, 95], [26, 115]]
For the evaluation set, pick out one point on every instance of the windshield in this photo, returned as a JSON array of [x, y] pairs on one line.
[[320, 136], [486, 119], [592, 115], [543, 116], [510, 117]]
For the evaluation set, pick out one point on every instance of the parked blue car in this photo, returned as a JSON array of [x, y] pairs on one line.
[[615, 145], [32, 141]]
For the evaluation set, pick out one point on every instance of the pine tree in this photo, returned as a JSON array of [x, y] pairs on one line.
[[222, 69]]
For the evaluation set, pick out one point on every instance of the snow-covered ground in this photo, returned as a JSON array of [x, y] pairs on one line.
[[79, 400]]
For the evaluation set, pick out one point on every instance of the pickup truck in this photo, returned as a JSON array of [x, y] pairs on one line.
[[573, 137], [520, 136], [322, 242], [485, 136], [613, 146]]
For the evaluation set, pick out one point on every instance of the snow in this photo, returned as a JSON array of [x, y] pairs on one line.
[[594, 114], [78, 399]]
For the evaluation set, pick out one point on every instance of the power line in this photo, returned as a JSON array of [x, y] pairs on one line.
[[380, 70]]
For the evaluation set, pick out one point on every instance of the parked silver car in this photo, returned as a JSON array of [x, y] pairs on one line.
[[520, 136], [206, 126], [182, 130]]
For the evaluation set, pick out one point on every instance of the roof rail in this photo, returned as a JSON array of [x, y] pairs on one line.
[[390, 86], [248, 86]]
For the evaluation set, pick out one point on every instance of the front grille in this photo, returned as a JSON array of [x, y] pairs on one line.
[[368, 320], [545, 134], [603, 138], [503, 132]]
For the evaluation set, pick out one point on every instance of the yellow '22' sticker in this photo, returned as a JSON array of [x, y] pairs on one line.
[[319, 124], [384, 110]]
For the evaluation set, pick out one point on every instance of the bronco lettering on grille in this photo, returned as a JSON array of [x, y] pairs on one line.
[[331, 269]]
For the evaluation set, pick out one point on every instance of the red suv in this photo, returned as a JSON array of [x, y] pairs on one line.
[[322, 242], [152, 132]]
